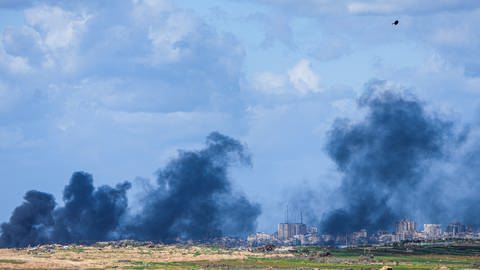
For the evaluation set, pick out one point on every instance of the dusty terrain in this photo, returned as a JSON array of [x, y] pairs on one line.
[[203, 256], [82, 257]]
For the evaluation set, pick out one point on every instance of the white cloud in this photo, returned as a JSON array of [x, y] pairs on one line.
[[362, 7], [146, 11], [166, 28], [13, 64], [298, 80], [168, 37], [127, 47], [270, 83], [59, 28], [49, 39], [303, 78]]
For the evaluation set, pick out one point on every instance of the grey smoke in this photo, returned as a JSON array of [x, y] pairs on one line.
[[194, 198], [383, 158]]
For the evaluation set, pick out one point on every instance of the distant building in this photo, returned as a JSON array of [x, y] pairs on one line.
[[312, 230], [360, 237], [432, 231], [360, 234], [289, 230], [469, 228], [261, 238], [386, 238], [405, 229], [453, 229]]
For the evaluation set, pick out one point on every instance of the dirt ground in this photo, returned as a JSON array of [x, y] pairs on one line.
[[82, 257]]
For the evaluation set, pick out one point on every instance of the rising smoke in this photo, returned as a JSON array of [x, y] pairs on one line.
[[193, 200], [384, 158], [30, 222], [89, 214]]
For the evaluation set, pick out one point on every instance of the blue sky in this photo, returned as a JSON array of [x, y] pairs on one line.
[[116, 90]]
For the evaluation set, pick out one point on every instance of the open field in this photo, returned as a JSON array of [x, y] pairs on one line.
[[202, 257]]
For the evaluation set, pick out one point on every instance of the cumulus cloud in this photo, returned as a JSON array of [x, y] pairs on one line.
[[301, 79], [48, 40], [173, 58], [24, 42], [169, 30], [13, 65], [58, 28], [270, 82]]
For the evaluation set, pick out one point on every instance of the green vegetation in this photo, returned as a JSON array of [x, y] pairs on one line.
[[405, 256], [162, 265], [448, 257], [76, 249], [295, 263], [11, 261]]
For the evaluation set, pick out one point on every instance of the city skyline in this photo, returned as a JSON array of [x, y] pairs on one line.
[[405, 230]]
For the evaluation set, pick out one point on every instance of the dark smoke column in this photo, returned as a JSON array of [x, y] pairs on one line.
[[30, 222], [90, 214], [194, 199], [383, 158]]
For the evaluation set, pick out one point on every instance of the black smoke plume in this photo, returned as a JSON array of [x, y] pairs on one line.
[[194, 199], [30, 222], [89, 214], [383, 157]]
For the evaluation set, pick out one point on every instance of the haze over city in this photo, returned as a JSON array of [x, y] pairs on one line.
[[151, 116]]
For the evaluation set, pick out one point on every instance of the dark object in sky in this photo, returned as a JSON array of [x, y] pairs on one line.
[[395, 22]]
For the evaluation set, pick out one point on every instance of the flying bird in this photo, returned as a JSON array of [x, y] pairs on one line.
[[395, 22]]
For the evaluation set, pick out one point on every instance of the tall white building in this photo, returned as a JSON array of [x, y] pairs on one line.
[[432, 231], [405, 229], [288, 230]]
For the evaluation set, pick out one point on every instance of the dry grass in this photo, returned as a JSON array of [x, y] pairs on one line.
[[110, 258], [202, 257]]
